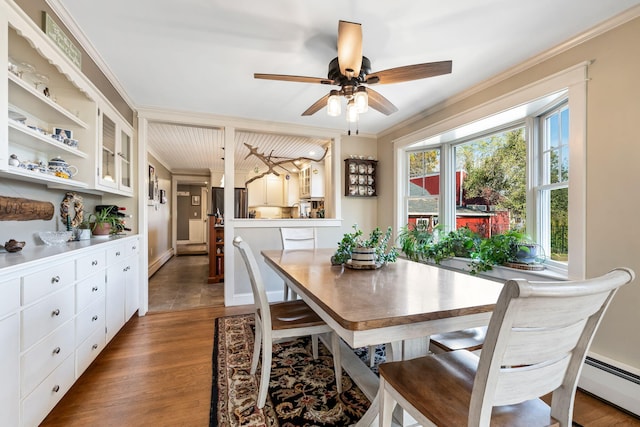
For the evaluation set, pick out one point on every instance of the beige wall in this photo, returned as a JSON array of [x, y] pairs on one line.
[[159, 216], [613, 150]]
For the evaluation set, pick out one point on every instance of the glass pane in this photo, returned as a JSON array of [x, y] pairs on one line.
[[108, 148], [555, 167], [424, 186], [553, 130], [559, 214], [491, 183], [125, 159]]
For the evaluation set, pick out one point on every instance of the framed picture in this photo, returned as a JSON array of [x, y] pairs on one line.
[[195, 200], [163, 196], [152, 182], [65, 133]]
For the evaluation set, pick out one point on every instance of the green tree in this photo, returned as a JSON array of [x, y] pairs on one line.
[[496, 171], [423, 163]]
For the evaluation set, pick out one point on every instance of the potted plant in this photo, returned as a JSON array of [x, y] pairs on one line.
[[376, 246], [104, 222]]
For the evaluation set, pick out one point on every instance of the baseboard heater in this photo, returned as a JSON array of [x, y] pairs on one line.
[[614, 384]]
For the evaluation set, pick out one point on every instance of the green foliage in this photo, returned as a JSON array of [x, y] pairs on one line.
[[104, 216], [377, 240], [418, 245]]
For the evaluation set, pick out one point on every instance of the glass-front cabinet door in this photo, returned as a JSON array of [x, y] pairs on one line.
[[108, 168], [125, 161], [115, 170]]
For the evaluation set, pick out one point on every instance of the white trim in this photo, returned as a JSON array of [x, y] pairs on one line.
[[73, 27], [159, 262]]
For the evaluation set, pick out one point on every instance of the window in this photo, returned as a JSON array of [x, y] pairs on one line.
[[553, 183], [489, 181]]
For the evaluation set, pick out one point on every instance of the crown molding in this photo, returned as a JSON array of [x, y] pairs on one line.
[[583, 37], [61, 11]]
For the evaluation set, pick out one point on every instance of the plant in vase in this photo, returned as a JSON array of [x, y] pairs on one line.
[[374, 250], [104, 222]]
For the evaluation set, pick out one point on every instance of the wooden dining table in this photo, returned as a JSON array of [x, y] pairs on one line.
[[400, 304]]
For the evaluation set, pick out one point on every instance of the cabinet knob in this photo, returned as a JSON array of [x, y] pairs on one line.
[[94, 289], [56, 388], [55, 312], [94, 262], [56, 350], [94, 318], [55, 279], [94, 347], [134, 247], [118, 253]]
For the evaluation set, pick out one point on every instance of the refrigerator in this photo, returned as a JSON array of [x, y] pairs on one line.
[[241, 202]]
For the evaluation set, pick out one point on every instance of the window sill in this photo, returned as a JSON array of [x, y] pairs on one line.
[[500, 273]]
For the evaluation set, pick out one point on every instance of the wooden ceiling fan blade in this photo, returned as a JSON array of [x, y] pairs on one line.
[[317, 106], [288, 78], [349, 48], [380, 103], [410, 72]]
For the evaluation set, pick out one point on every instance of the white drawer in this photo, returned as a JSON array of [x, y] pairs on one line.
[[42, 318], [89, 290], [88, 350], [132, 247], [37, 405], [43, 282], [89, 320], [9, 296], [44, 357], [90, 264], [115, 253]]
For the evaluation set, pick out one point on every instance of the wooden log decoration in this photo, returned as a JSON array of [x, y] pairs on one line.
[[19, 209]]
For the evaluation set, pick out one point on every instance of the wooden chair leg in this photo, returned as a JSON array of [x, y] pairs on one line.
[[257, 344], [337, 360], [314, 346], [265, 375], [386, 405]]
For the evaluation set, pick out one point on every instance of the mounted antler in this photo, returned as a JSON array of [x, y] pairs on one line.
[[271, 164]]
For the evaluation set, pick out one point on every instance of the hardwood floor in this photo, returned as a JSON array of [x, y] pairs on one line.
[[157, 372]]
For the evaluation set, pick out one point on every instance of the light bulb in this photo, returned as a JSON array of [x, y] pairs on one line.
[[333, 104], [352, 112], [361, 100]]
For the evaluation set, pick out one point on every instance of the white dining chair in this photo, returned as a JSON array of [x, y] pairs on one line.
[[536, 344], [278, 321], [297, 238]]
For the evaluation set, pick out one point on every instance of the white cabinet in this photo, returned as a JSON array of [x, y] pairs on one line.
[[53, 320], [312, 181], [115, 157], [122, 287], [266, 191]]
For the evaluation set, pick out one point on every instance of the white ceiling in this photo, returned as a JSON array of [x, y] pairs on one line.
[[200, 55]]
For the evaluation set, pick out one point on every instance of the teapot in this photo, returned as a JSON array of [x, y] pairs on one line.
[[59, 167]]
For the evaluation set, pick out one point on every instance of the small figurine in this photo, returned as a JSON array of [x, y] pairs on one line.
[[13, 160], [13, 246]]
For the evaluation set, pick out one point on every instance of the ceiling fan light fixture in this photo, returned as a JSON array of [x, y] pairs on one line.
[[333, 104], [352, 112], [361, 99]]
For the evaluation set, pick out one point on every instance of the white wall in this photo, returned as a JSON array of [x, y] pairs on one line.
[[160, 247]]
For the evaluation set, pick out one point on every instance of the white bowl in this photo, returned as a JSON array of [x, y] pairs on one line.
[[55, 237]]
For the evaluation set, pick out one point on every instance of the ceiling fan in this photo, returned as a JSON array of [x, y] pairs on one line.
[[352, 72]]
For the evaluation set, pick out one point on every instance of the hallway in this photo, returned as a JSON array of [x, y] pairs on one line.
[[181, 284]]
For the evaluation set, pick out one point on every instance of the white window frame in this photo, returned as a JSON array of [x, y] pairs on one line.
[[572, 80]]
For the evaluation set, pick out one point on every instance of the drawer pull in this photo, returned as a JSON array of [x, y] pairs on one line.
[[94, 347], [55, 312], [56, 350], [55, 279], [56, 388], [94, 318], [94, 289], [118, 253], [133, 248], [94, 262]]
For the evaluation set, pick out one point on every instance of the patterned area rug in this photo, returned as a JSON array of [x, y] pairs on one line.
[[302, 390]]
